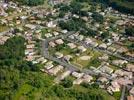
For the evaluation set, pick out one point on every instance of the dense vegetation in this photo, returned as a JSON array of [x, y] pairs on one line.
[[125, 6], [129, 31], [13, 69], [30, 2]]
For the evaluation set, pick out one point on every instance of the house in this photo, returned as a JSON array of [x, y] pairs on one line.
[[88, 40], [132, 91], [87, 78], [111, 49], [3, 39], [102, 79], [56, 33], [82, 48], [59, 55], [120, 22], [80, 37], [106, 69], [64, 31], [31, 53], [77, 75], [76, 35], [59, 41], [115, 87], [85, 18], [23, 17], [97, 25], [18, 22], [52, 44], [104, 57], [68, 57], [75, 16], [44, 61], [55, 2], [71, 45], [131, 97], [29, 58], [48, 66], [48, 35], [65, 74], [31, 42], [71, 37], [27, 51], [124, 81], [94, 44], [130, 67], [55, 70], [77, 81], [103, 46], [51, 24], [123, 73], [2, 11], [41, 59], [119, 62], [30, 46], [30, 26], [122, 49]]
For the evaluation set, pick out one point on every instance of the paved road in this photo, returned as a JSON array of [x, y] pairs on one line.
[[123, 93]]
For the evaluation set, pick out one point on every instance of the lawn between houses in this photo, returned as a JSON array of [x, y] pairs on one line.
[[3, 28], [93, 61]]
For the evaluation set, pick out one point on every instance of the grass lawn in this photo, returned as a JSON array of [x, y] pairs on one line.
[[84, 63], [20, 94], [3, 28], [117, 95], [62, 49], [66, 51]]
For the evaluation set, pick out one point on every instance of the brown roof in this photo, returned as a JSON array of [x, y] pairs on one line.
[[130, 97]]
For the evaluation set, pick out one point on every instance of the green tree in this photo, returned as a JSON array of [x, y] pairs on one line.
[[129, 31], [30, 2], [97, 17], [67, 83]]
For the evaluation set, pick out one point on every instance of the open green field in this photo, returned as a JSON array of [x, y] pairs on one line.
[[3, 28], [87, 63], [24, 90]]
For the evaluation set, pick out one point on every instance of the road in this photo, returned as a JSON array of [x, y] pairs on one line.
[[123, 93]]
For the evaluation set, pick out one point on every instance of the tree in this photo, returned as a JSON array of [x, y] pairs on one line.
[[30, 2], [67, 83], [105, 35], [131, 47], [129, 31], [97, 17], [59, 91], [75, 7]]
